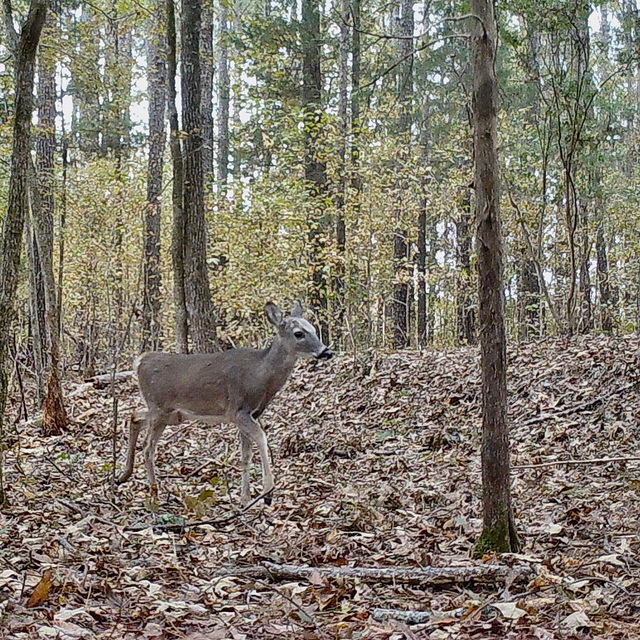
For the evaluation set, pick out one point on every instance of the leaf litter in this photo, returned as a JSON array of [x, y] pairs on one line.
[[376, 461]]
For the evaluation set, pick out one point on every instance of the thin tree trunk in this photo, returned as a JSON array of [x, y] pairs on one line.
[[466, 316], [37, 311], [401, 297], [202, 323], [422, 224], [223, 96], [341, 196], [314, 168], [25, 50], [355, 101], [156, 83], [499, 532], [586, 315], [206, 105], [177, 246], [602, 261], [61, 229], [54, 418]]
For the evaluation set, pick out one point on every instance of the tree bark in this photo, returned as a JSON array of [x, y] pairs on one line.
[[37, 311], [206, 104], [406, 575], [315, 171], [341, 196], [18, 197], [499, 532], [422, 224], [156, 88], [54, 415], [202, 324], [178, 239], [401, 288], [466, 315], [223, 96]]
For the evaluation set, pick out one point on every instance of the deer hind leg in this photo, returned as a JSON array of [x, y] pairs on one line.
[[137, 421], [251, 429], [246, 454], [157, 424]]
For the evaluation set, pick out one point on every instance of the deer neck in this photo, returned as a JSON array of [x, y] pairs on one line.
[[280, 363]]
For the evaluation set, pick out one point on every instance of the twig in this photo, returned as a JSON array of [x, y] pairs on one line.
[[558, 463], [578, 407], [303, 614], [215, 522]]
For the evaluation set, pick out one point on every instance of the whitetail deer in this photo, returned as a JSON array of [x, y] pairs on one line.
[[231, 386]]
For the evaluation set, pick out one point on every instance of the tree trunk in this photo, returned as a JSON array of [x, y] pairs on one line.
[[402, 274], [586, 311], [466, 315], [499, 532], [223, 96], [422, 225], [18, 197], [200, 310], [156, 89], [528, 298], [602, 261], [54, 418], [177, 245], [206, 105], [314, 168], [341, 196], [37, 311], [355, 100]]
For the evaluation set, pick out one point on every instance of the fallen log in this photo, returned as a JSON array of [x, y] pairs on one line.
[[104, 379], [413, 617], [486, 573]]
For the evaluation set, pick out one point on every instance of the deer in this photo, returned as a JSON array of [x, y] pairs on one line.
[[233, 386]]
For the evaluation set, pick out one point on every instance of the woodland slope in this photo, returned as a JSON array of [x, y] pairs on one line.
[[376, 462]]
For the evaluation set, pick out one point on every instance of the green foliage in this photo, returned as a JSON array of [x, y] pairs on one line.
[[568, 90]]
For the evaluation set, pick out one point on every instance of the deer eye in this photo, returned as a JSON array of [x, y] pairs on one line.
[[299, 334]]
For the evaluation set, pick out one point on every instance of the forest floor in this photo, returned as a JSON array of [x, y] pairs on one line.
[[377, 464]]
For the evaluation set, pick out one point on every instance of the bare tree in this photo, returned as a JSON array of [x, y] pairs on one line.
[[177, 246], [201, 314], [401, 288], [315, 170], [223, 95], [499, 531], [206, 104], [157, 89]]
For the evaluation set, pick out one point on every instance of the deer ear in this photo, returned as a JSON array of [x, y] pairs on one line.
[[274, 315], [297, 310]]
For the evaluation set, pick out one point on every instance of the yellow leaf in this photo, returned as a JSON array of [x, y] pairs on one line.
[[41, 591]]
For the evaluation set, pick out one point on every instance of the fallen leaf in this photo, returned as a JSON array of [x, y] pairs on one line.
[[509, 610], [576, 621], [41, 591]]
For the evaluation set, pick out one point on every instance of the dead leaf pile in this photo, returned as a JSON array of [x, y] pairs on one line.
[[376, 461]]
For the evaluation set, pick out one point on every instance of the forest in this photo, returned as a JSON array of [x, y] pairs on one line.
[[439, 197]]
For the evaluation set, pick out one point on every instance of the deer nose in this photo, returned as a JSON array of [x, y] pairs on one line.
[[327, 354]]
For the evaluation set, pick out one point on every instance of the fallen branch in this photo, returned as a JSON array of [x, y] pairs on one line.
[[486, 573], [576, 408], [559, 463], [412, 617], [104, 380]]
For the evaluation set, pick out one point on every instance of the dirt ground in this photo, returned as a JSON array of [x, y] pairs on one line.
[[376, 461]]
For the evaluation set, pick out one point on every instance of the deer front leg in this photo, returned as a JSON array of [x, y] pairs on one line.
[[136, 422], [251, 429], [246, 454]]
